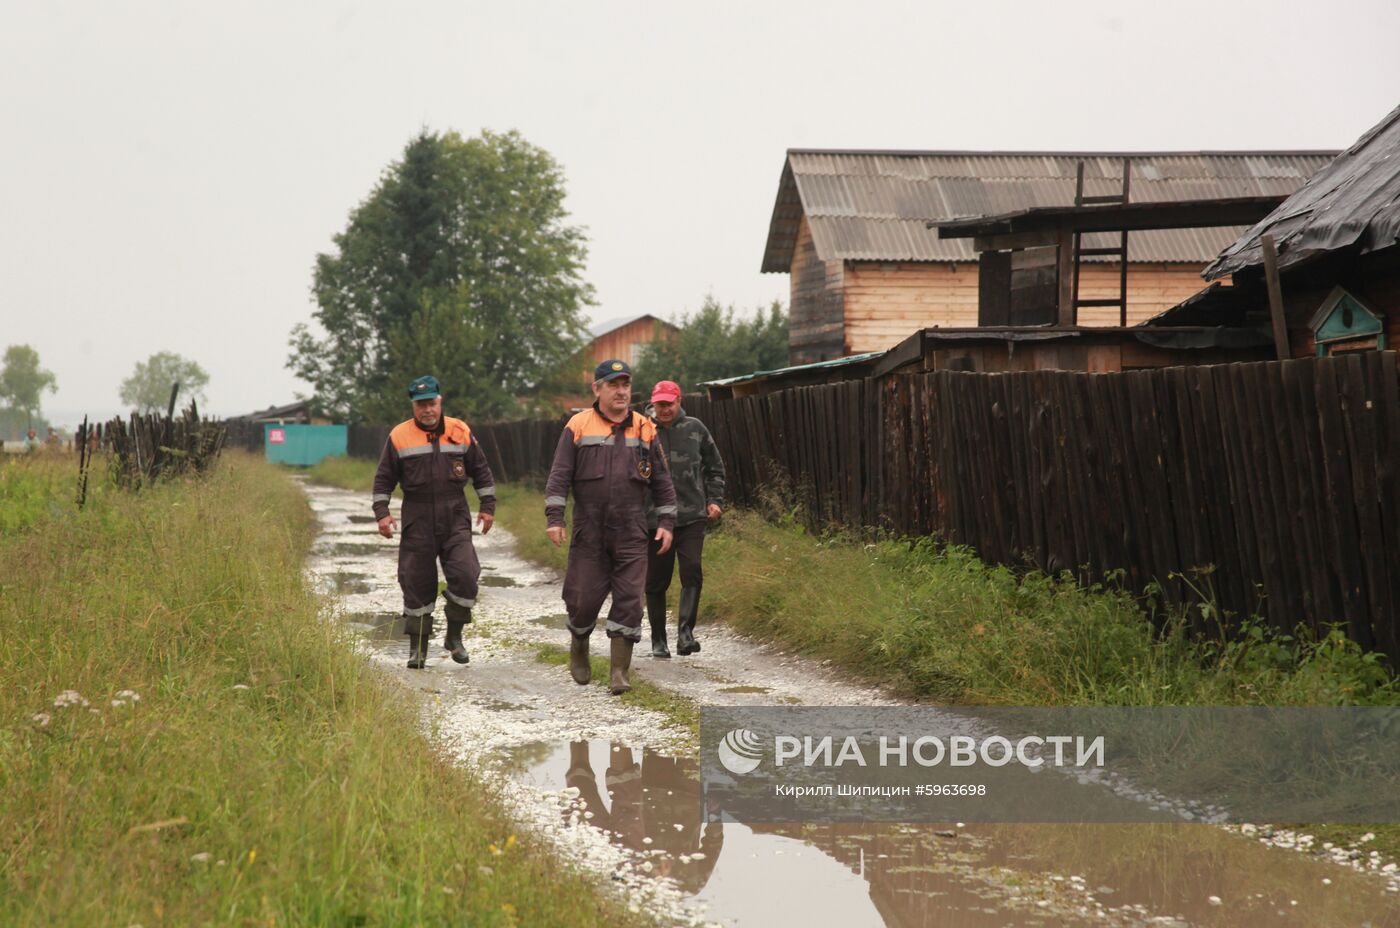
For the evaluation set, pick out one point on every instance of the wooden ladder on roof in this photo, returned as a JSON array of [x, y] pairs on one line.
[[1080, 252]]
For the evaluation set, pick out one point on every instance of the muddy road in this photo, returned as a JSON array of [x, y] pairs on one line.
[[615, 788]]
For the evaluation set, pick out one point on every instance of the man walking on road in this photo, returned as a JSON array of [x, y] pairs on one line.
[[698, 474], [609, 458], [432, 456]]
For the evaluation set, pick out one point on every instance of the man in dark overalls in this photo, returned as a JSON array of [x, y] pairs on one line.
[[432, 456], [608, 457]]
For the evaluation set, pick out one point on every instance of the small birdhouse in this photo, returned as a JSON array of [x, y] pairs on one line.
[[1344, 323]]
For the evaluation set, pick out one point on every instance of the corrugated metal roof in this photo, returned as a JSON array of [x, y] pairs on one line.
[[875, 206], [1354, 201]]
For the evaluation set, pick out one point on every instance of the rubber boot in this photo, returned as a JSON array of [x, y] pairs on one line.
[[685, 631], [579, 667], [621, 662], [453, 641], [417, 651], [656, 615]]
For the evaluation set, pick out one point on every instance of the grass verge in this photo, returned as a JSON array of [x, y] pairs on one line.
[[224, 757], [936, 623]]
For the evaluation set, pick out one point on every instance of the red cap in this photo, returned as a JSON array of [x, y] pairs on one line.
[[668, 391]]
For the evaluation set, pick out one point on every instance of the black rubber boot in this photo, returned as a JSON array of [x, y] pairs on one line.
[[621, 663], [453, 640], [685, 631], [417, 651], [656, 615], [419, 629], [579, 667]]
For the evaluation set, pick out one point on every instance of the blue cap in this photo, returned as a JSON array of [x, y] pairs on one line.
[[423, 388], [610, 369]]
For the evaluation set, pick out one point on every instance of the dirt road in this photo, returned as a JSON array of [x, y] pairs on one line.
[[615, 788]]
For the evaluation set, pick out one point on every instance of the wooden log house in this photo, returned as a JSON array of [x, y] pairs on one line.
[[850, 228]]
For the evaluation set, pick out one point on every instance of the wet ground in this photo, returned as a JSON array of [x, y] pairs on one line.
[[615, 788]]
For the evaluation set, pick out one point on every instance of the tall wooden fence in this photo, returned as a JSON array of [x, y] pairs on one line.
[[1271, 487]]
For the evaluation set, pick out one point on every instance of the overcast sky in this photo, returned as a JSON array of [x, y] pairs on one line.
[[169, 171]]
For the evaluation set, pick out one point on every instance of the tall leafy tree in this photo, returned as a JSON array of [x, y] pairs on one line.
[[148, 388], [23, 382], [459, 263], [716, 342]]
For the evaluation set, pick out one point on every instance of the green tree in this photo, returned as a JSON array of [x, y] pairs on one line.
[[460, 263], [23, 381], [148, 388], [715, 342]]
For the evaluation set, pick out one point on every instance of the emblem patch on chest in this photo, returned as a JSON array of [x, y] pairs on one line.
[[644, 468], [459, 469]]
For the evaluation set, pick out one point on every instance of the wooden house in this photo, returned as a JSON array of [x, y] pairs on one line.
[[620, 338], [851, 229]]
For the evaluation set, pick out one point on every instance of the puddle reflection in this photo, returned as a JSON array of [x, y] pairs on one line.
[[907, 875]]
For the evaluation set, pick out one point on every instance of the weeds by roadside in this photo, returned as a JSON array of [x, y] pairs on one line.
[[190, 742]]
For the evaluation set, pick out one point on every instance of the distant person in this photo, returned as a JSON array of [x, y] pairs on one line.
[[698, 474], [608, 457], [53, 441], [432, 456], [31, 441]]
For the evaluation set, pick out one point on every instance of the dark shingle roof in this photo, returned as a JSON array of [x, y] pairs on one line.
[[875, 206], [1352, 202]]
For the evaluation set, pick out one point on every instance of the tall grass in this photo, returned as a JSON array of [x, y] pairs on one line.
[[40, 487], [262, 773], [936, 623]]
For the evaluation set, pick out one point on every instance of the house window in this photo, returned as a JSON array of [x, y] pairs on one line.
[[635, 353]]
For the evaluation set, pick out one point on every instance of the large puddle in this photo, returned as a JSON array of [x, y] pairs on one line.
[[648, 805], [944, 875]]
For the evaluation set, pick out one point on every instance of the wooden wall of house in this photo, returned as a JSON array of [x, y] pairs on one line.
[[887, 301], [816, 325]]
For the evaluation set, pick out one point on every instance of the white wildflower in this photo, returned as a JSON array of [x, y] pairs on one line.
[[69, 698], [129, 694], [201, 857], [41, 719]]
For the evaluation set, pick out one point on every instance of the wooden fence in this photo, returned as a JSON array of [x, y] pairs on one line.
[[1271, 488]]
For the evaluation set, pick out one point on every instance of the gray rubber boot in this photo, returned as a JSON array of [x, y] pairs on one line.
[[656, 615], [579, 667], [689, 610], [621, 663], [453, 640]]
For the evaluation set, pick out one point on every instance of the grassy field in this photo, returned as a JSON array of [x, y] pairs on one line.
[[184, 740], [41, 488]]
